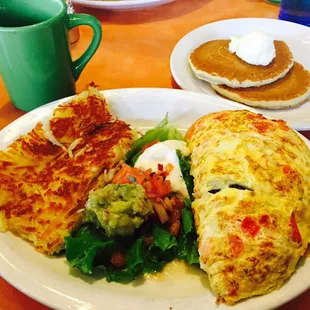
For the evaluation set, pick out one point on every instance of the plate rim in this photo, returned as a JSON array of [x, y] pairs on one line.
[[120, 5], [19, 279], [133, 90], [186, 37]]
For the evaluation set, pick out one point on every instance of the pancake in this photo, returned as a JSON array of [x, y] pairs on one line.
[[252, 198], [288, 92], [212, 62]]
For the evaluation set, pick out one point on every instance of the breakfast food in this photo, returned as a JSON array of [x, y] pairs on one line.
[[252, 198], [143, 219], [255, 48], [214, 63], [46, 175], [120, 202], [66, 186], [288, 92], [252, 69]]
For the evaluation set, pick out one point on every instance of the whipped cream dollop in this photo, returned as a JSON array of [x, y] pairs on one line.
[[255, 48]]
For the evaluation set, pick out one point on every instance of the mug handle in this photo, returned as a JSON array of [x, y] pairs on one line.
[[85, 19]]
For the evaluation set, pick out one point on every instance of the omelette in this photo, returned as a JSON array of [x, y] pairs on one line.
[[46, 175], [252, 201]]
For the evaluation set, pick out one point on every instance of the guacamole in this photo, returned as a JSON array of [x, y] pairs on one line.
[[118, 208]]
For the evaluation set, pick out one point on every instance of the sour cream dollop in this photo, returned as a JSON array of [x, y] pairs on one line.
[[165, 153], [255, 48]]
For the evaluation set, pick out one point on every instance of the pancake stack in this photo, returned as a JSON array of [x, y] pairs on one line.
[[284, 83]]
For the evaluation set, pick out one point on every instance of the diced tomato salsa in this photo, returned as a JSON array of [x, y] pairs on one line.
[[154, 184], [167, 207], [236, 245], [264, 220], [249, 225], [296, 236]]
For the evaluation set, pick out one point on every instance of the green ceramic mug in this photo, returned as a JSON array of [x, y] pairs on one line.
[[35, 60]]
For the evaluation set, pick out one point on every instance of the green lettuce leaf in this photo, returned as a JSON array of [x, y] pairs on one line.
[[185, 166], [161, 132], [115, 275], [82, 249], [135, 256], [187, 221], [187, 242], [87, 249], [163, 239], [135, 259]]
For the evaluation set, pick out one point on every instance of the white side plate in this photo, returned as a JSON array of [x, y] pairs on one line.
[[51, 281], [122, 4], [296, 36]]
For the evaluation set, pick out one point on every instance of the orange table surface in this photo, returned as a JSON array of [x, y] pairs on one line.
[[135, 52]]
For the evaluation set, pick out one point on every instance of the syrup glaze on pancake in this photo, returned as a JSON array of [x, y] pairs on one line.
[[288, 92], [213, 63]]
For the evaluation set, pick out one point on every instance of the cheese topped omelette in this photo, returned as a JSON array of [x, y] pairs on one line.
[[252, 201], [46, 175]]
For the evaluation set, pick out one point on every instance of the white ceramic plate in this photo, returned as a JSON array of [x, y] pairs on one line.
[[50, 279], [122, 4], [296, 36]]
